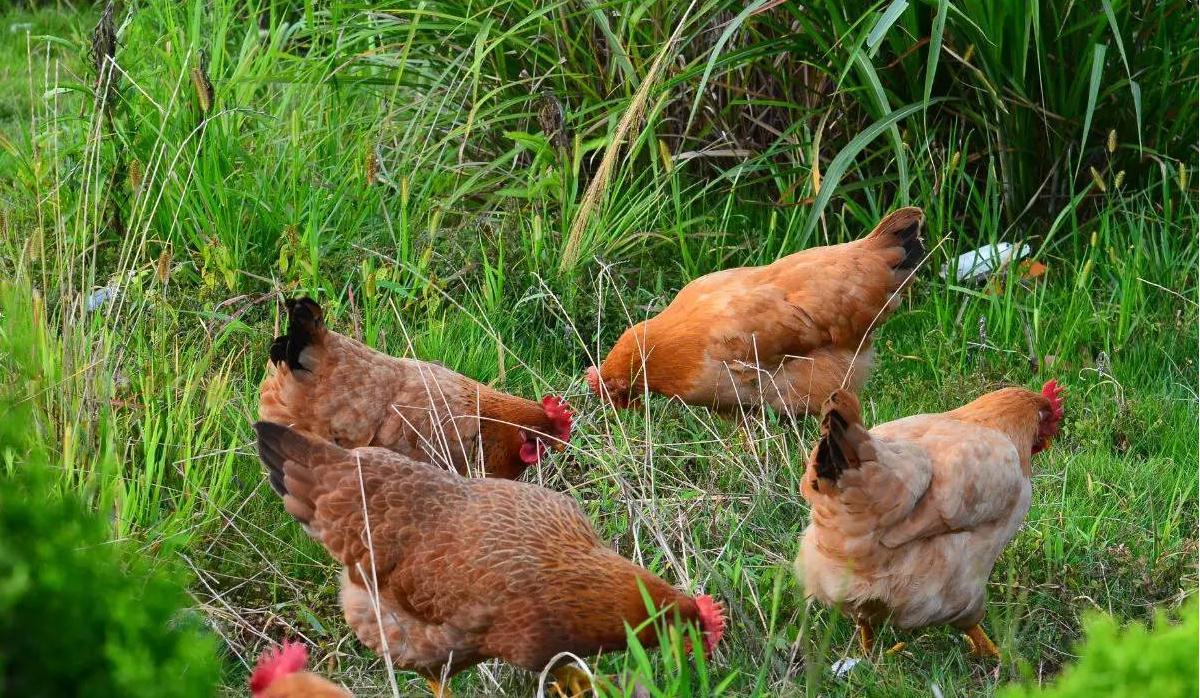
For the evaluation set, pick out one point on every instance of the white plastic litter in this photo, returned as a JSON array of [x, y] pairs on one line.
[[101, 296], [841, 668], [977, 264]]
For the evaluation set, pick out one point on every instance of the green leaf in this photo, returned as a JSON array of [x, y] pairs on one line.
[[935, 47], [845, 157], [1094, 89], [886, 20]]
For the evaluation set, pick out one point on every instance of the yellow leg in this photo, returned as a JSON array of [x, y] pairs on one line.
[[866, 636], [439, 691], [981, 644], [572, 682]]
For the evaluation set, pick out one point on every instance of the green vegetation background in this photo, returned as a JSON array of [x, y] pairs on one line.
[[503, 186]]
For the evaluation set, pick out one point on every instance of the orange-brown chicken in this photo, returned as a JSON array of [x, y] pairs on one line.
[[909, 518], [342, 390], [786, 334], [466, 569], [280, 674]]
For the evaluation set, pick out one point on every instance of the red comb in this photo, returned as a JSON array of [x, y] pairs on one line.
[[712, 621], [1053, 392], [285, 659], [560, 413], [1048, 426]]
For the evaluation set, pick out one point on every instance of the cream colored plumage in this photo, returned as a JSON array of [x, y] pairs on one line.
[[909, 518]]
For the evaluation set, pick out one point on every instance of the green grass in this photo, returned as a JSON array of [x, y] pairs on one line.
[[392, 164]]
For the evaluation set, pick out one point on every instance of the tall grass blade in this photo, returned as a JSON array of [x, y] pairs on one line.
[[886, 20], [885, 108], [1093, 89], [935, 47], [633, 113], [1135, 90], [845, 157], [732, 27]]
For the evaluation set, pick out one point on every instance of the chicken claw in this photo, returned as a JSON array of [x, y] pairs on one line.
[[866, 637], [572, 682], [981, 644]]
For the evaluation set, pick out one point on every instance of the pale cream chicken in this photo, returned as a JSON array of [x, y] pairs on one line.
[[909, 518]]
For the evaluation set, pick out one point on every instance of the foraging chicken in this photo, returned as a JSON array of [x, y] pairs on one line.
[[909, 518], [786, 334], [280, 674], [466, 569], [342, 390]]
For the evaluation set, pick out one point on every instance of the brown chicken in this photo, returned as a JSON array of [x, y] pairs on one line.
[[466, 569], [280, 674], [786, 334], [342, 390], [909, 517]]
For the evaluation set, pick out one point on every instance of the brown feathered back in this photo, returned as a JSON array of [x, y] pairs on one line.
[[338, 388], [466, 568], [786, 334]]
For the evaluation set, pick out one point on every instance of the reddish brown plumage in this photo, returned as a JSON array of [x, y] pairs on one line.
[[909, 517], [787, 334], [338, 388], [467, 568]]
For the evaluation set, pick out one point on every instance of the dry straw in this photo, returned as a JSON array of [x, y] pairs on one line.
[[103, 53], [203, 86], [633, 115]]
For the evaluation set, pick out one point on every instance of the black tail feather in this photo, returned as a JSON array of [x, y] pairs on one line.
[[832, 459], [305, 322], [844, 443], [914, 247], [269, 437], [902, 228]]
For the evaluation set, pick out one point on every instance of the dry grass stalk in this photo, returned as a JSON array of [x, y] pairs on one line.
[[372, 165], [203, 86], [162, 269], [135, 175], [103, 53], [599, 183], [552, 120]]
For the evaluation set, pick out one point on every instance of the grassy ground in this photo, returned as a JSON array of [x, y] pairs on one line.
[[394, 165]]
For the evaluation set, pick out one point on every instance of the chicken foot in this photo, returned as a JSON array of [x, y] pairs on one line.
[[866, 639], [439, 689], [572, 682], [866, 636], [981, 644]]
